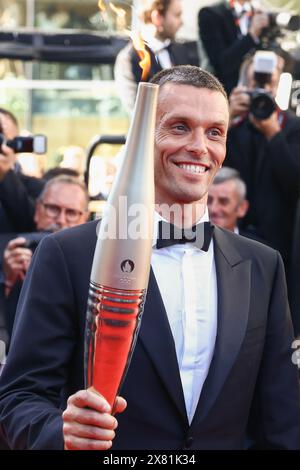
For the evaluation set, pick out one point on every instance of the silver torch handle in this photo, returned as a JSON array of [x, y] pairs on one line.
[[121, 264]]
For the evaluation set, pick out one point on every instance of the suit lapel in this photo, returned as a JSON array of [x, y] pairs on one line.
[[233, 283], [156, 337]]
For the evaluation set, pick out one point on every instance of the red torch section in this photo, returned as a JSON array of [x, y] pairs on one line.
[[112, 327]]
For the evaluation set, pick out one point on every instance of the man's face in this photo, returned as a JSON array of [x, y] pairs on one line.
[[190, 142], [224, 205], [172, 21], [63, 206], [10, 130]]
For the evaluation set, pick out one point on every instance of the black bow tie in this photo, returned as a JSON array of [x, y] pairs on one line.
[[200, 235]]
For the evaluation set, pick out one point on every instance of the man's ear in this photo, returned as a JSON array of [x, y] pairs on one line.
[[86, 216], [243, 209], [36, 212]]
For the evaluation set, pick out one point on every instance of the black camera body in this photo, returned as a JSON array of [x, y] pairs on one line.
[[35, 144], [262, 104]]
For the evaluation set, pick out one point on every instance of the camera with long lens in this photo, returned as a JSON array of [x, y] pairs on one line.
[[20, 144], [262, 103]]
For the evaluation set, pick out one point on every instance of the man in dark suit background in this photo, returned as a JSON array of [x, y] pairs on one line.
[[17, 191], [266, 152], [161, 19], [294, 275], [216, 335], [63, 203], [228, 31]]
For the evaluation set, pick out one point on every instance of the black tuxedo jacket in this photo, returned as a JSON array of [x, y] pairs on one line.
[[223, 42], [271, 170], [251, 371], [294, 275]]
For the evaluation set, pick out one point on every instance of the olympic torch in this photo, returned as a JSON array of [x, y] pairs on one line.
[[121, 264]]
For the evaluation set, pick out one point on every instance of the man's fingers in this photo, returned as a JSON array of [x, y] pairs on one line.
[[21, 254], [88, 423], [6, 151], [77, 443], [89, 417], [120, 405], [19, 241], [16, 266], [242, 98], [17, 260], [88, 432], [89, 399]]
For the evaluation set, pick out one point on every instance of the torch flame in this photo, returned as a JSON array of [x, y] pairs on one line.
[[144, 55], [120, 12], [101, 5], [138, 42]]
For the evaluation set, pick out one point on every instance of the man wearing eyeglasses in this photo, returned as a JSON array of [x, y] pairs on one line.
[[62, 204]]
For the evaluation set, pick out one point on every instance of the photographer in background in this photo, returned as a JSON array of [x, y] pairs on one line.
[[228, 31], [63, 203], [264, 146], [17, 191], [227, 203]]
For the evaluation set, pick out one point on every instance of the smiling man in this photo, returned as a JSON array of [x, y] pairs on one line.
[[190, 146], [215, 340]]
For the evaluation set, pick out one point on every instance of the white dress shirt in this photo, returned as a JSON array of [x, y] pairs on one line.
[[186, 278], [244, 11], [159, 49]]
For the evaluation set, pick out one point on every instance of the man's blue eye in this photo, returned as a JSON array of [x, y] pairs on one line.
[[215, 132]]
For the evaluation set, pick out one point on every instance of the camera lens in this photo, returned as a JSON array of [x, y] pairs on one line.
[[262, 105]]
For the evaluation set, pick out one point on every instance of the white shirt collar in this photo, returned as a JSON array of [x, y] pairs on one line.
[[158, 217], [155, 44], [239, 8]]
